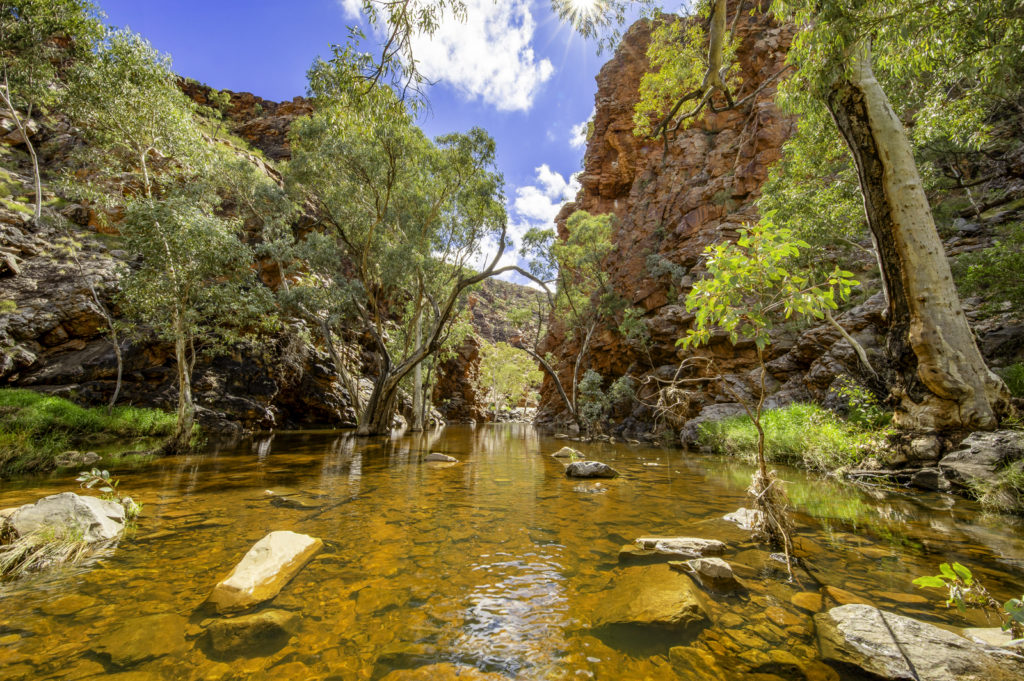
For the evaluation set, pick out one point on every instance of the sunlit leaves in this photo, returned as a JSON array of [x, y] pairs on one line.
[[752, 282]]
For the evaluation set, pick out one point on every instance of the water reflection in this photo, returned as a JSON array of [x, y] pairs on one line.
[[495, 562]]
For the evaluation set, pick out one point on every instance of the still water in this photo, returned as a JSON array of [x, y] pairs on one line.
[[486, 569]]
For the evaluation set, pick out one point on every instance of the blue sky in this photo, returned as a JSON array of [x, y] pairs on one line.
[[512, 68]]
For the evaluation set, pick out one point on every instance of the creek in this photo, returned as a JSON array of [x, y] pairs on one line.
[[496, 562]]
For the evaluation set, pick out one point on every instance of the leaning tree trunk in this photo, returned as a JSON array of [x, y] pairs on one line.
[[417, 382], [941, 381], [379, 412]]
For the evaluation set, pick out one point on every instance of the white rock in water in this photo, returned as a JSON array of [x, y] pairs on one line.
[[566, 453], [96, 519], [715, 569], [890, 646], [692, 547], [436, 456], [264, 570], [746, 518]]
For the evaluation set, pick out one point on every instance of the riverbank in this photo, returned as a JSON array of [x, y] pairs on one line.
[[40, 432]]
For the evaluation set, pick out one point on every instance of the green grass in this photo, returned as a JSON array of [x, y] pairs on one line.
[[35, 428], [1006, 493], [1013, 376], [801, 434]]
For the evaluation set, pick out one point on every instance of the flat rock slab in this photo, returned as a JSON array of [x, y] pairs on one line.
[[97, 520], [264, 570], [256, 635], [143, 638], [651, 596], [590, 469], [567, 453], [690, 547], [894, 647]]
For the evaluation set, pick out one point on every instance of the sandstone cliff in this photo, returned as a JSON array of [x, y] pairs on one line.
[[670, 202]]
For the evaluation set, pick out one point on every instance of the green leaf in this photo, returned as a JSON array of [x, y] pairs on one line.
[[963, 573], [932, 582], [947, 572]]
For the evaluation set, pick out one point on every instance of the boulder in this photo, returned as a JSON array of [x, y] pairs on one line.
[[96, 519], [139, 639], [264, 570], [255, 635], [567, 453], [980, 457], [891, 646], [651, 596], [746, 518], [590, 469], [437, 456], [691, 547]]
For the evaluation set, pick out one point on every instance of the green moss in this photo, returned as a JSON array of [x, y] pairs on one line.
[[16, 205], [36, 428], [801, 434]]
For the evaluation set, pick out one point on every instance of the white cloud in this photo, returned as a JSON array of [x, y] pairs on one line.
[[488, 56], [578, 132]]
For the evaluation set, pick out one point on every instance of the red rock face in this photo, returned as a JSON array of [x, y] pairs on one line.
[[260, 122], [671, 203]]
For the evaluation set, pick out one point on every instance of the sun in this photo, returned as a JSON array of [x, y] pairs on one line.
[[584, 15]]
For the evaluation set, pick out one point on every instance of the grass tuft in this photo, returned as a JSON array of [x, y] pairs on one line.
[[40, 550], [801, 434], [35, 428], [1013, 376]]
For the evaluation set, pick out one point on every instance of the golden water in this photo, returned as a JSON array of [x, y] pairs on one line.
[[494, 563]]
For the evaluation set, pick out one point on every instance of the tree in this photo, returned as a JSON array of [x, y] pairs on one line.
[[194, 284], [749, 284], [507, 375], [39, 39], [407, 217], [582, 296]]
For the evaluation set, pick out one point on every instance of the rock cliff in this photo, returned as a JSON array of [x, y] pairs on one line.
[[671, 201]]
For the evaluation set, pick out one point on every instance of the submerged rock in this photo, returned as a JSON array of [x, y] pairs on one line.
[[691, 547], [143, 638], [443, 671], [258, 634], [264, 570], [652, 596], [746, 518], [567, 453], [443, 458], [590, 469], [94, 518], [891, 646]]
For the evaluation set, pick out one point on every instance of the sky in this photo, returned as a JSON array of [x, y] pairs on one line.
[[512, 68]]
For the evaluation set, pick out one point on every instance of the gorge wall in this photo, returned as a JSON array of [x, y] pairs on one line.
[[670, 202]]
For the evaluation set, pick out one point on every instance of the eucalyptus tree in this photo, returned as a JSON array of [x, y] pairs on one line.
[[39, 39], [582, 298], [406, 216], [192, 283]]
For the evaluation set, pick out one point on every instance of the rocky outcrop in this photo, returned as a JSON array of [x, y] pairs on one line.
[[891, 646], [264, 570], [979, 458], [260, 122], [93, 518]]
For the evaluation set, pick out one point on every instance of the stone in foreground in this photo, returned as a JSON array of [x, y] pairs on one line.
[[96, 519], [590, 469], [567, 453], [746, 518], [690, 547], [442, 458], [652, 596], [264, 570], [891, 646], [258, 634], [711, 572]]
